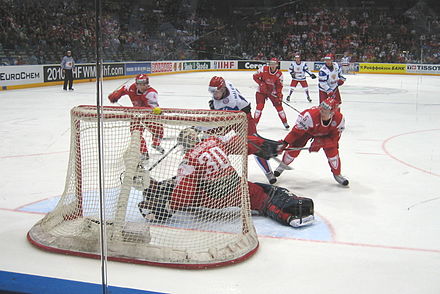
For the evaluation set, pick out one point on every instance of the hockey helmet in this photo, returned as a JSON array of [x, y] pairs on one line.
[[329, 104], [329, 57], [273, 61], [216, 83], [188, 138], [142, 79]]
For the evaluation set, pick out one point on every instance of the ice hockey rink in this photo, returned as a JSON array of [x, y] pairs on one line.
[[380, 235]]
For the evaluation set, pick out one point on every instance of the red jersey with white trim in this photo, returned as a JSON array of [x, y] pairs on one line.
[[147, 99], [273, 80], [206, 162], [309, 122]]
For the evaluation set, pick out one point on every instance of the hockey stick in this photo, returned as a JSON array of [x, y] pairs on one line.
[[291, 106], [120, 86], [297, 148], [163, 157]]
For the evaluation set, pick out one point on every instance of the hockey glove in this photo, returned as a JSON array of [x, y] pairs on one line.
[[283, 145], [113, 97], [340, 82], [211, 104], [292, 75], [313, 76], [247, 109]]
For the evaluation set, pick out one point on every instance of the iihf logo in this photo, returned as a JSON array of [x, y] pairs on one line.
[[226, 101]]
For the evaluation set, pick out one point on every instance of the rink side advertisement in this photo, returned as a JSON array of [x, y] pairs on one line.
[[83, 71], [382, 68], [25, 76], [20, 75]]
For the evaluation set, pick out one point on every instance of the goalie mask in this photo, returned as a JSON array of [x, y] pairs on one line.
[[188, 138]]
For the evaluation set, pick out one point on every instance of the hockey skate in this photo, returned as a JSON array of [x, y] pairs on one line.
[[309, 99], [288, 98], [271, 178], [159, 149], [280, 169], [286, 125], [341, 180]]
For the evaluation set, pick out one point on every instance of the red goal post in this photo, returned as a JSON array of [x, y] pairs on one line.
[[216, 233]]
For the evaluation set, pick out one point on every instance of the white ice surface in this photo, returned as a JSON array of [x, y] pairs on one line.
[[385, 228]]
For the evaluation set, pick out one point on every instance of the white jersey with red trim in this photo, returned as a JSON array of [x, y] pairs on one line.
[[329, 76], [345, 60], [233, 100], [298, 71]]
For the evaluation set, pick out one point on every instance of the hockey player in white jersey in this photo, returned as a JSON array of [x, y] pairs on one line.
[[330, 78], [226, 97], [345, 63], [298, 70]]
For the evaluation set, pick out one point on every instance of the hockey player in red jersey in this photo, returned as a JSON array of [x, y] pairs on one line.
[[206, 178], [270, 85], [324, 124], [330, 78], [142, 95]]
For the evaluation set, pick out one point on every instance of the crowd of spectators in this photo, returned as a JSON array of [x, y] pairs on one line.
[[39, 32]]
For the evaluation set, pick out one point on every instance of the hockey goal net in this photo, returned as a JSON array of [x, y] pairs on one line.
[[208, 229]]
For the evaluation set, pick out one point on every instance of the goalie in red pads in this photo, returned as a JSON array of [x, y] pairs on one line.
[[324, 124], [206, 179]]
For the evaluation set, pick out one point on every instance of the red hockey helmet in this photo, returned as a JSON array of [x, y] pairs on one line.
[[216, 83], [142, 79], [273, 61], [329, 104]]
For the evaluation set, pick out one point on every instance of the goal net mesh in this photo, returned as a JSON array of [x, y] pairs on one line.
[[158, 208]]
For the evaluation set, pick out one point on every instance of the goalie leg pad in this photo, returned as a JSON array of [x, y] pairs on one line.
[[286, 208]]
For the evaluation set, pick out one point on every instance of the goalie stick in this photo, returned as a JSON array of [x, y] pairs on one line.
[[163, 157]]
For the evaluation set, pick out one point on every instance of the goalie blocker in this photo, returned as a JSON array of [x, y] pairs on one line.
[[275, 202]]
